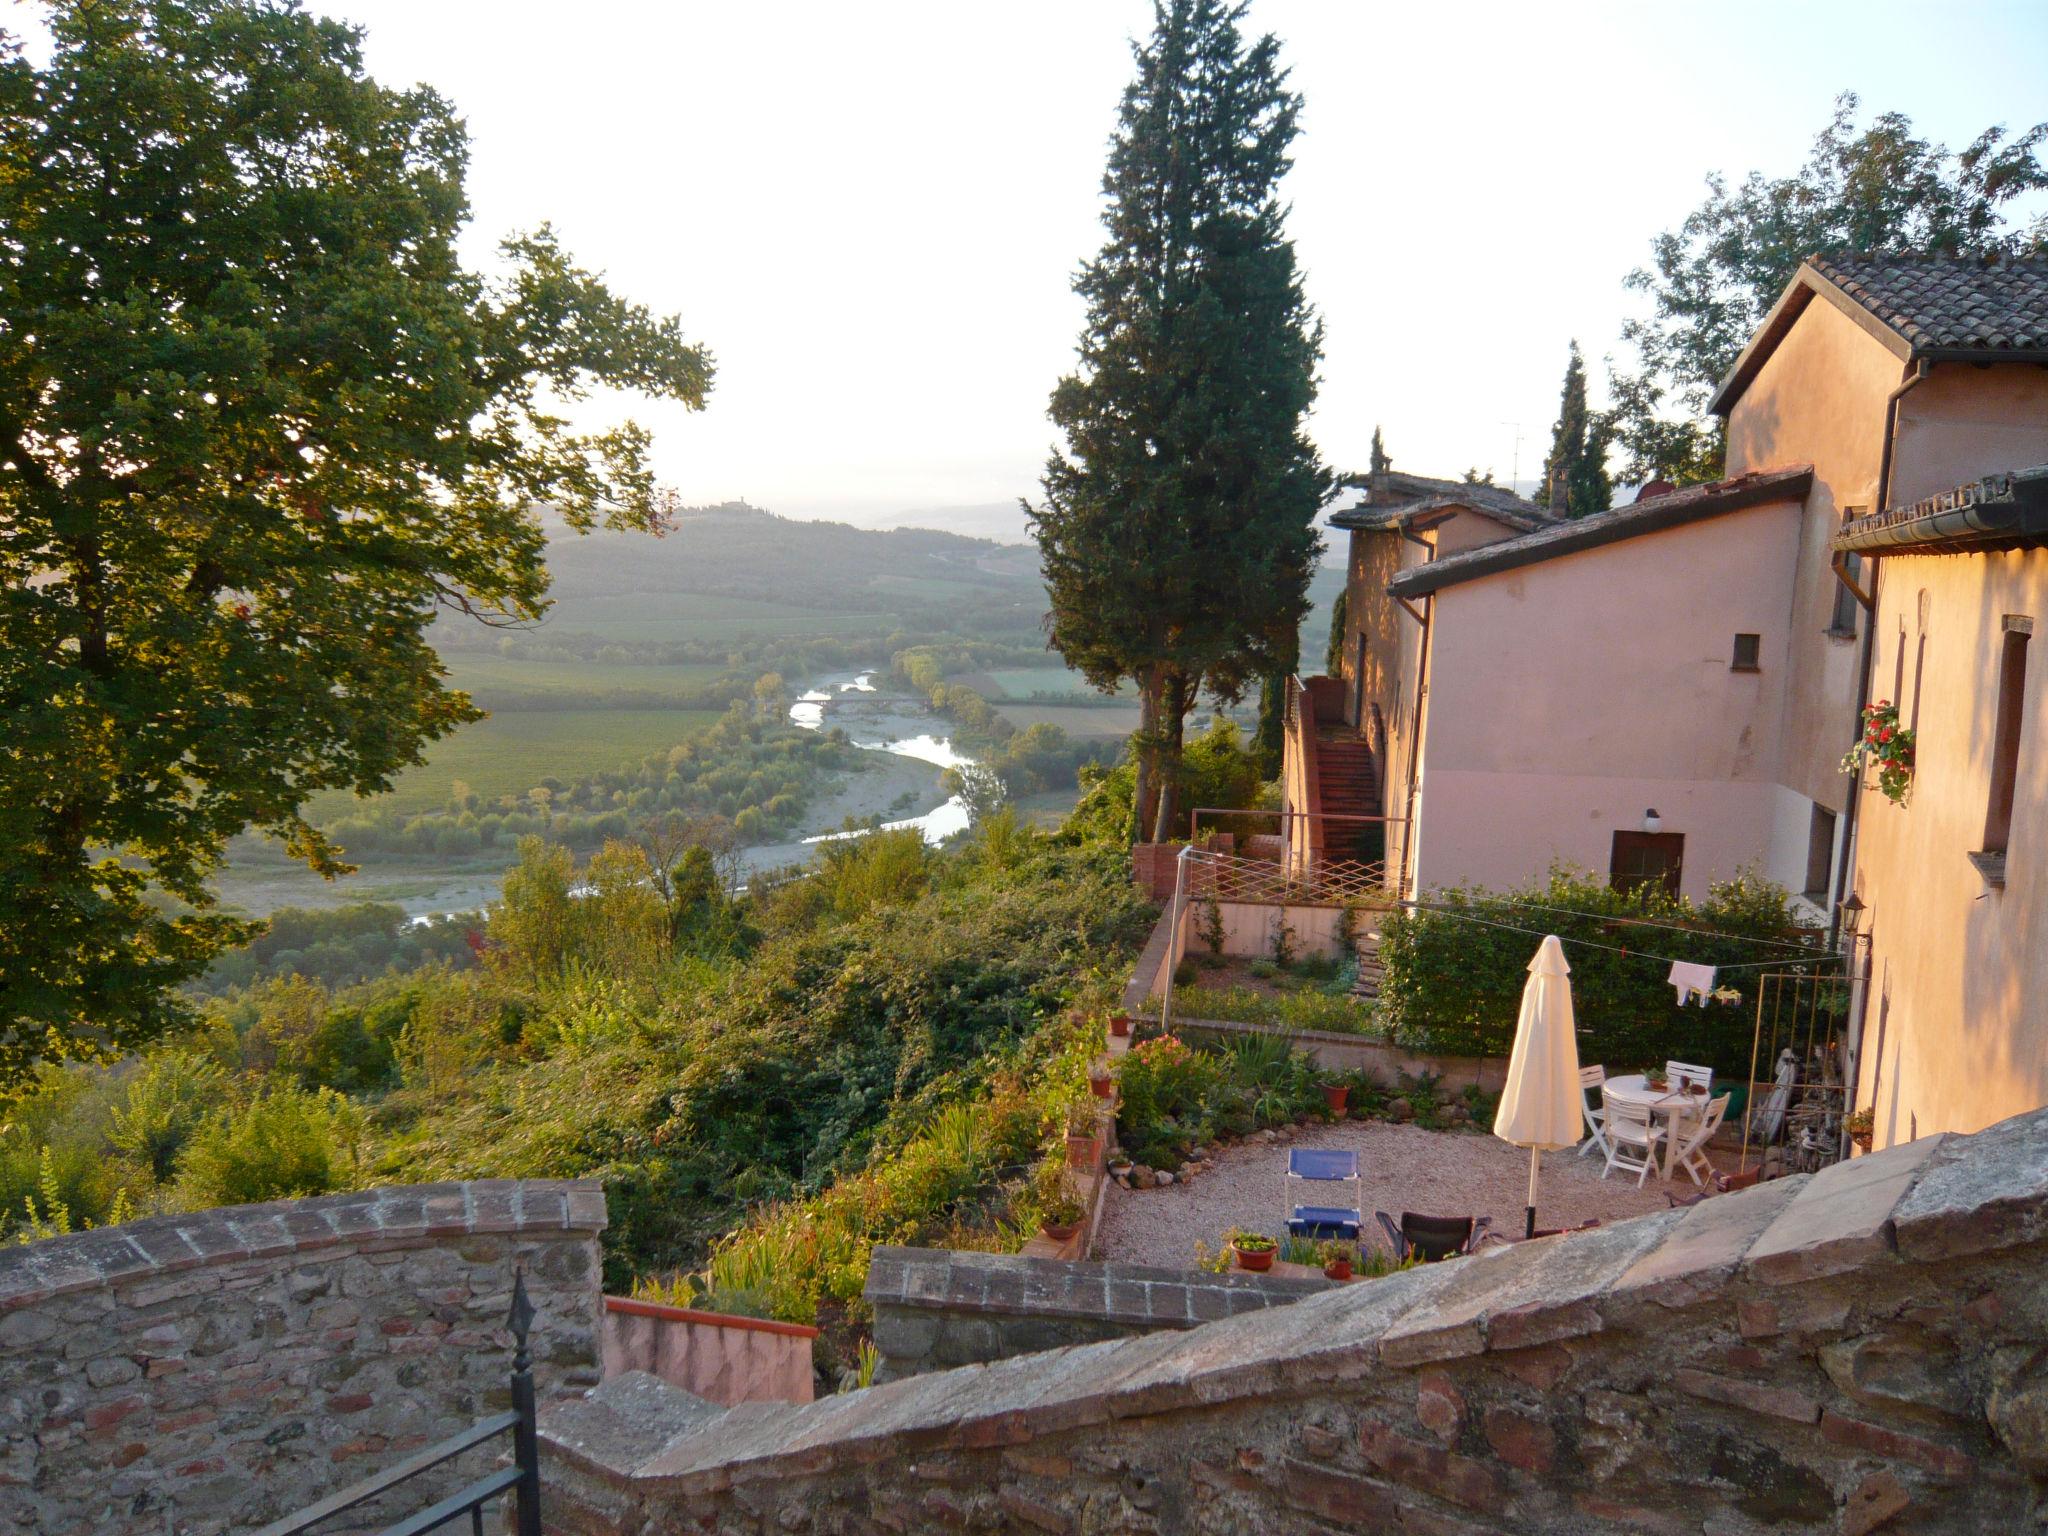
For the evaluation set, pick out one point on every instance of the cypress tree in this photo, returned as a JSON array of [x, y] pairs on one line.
[[1578, 447], [1178, 524]]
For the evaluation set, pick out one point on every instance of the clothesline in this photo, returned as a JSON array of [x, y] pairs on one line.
[[1462, 915], [1646, 922]]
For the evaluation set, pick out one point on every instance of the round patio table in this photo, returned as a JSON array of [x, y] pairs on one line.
[[1673, 1105]]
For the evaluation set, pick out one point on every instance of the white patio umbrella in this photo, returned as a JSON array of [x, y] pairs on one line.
[[1540, 1107]]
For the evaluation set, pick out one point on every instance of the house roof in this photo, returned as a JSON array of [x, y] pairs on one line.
[[2008, 511], [1408, 497], [1673, 510], [1931, 308]]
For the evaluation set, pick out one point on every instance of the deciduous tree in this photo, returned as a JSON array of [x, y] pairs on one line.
[[1710, 281], [257, 424], [1177, 526]]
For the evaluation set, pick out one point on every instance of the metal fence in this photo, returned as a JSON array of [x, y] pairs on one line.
[[1800, 1079], [1303, 883], [521, 1480]]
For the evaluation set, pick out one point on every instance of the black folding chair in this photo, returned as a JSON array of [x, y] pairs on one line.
[[1430, 1238]]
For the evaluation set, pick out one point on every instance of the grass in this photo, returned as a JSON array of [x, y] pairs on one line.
[[484, 676], [1306, 1009], [1023, 682], [1114, 717], [701, 616], [511, 752]]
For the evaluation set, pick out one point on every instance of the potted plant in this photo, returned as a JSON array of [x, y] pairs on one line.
[[1120, 1025], [1060, 1217], [1860, 1126], [1100, 1083], [1886, 746], [1082, 1142], [1254, 1250], [1655, 1079], [1335, 1094], [1338, 1256]]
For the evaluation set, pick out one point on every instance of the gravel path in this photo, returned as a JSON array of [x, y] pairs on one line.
[[1441, 1173]]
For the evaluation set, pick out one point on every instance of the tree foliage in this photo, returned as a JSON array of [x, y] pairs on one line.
[[1177, 526], [257, 423], [1874, 189], [1578, 447]]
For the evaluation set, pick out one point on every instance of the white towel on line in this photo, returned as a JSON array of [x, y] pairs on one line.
[[1690, 979]]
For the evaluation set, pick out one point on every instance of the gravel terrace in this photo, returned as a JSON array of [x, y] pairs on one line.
[[1441, 1173]]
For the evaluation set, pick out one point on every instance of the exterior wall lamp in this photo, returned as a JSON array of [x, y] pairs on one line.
[[1651, 820], [1852, 910]]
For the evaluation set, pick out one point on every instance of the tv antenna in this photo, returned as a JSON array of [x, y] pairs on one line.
[[1515, 471]]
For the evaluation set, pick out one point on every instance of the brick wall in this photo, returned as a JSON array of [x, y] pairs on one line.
[[935, 1308], [1862, 1350], [203, 1373]]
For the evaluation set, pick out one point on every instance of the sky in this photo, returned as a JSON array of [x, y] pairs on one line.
[[872, 213]]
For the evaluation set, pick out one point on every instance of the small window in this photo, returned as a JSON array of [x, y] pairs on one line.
[[1820, 853], [1647, 858], [2005, 746], [1846, 606], [1749, 651]]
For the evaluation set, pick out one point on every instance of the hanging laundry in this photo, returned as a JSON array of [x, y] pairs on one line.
[[1692, 980]]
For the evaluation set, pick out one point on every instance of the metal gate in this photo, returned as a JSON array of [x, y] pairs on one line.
[[1800, 1072]]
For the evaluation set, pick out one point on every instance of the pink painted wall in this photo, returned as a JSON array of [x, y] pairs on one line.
[[1568, 697], [1962, 423], [722, 1359], [1956, 1033]]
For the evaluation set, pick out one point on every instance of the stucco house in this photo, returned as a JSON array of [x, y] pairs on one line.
[[1665, 690]]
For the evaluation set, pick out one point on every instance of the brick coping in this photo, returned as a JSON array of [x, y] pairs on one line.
[[389, 1216], [633, 1306]]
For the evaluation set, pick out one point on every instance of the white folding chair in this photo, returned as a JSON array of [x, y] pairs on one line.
[[1691, 1156], [1596, 1114], [1682, 1075], [1629, 1130]]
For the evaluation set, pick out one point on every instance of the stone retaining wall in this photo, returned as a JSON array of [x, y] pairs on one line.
[[1864, 1349], [935, 1308], [201, 1373]]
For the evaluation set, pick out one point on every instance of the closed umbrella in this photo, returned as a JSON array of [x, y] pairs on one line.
[[1540, 1107]]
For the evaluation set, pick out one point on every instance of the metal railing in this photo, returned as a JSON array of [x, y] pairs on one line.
[[521, 1480], [1386, 875], [1309, 883]]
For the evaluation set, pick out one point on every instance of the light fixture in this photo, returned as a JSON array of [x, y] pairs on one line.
[[1651, 820], [1852, 910]]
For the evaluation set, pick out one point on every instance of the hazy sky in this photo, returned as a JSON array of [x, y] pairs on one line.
[[872, 212]]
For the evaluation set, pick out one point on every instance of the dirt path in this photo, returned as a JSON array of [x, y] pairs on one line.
[[1440, 1173]]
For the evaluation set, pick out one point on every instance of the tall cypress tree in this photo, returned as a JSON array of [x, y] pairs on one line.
[[1178, 523], [1578, 447]]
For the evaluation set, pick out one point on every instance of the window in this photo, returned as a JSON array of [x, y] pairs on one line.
[[2005, 747], [1846, 606], [1820, 853], [1749, 651], [1647, 858]]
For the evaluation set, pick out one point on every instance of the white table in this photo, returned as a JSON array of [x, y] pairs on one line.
[[1673, 1105]]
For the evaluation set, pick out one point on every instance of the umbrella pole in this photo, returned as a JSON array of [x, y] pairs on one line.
[[1529, 1227]]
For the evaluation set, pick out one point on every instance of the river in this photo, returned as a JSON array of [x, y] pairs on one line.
[[874, 724]]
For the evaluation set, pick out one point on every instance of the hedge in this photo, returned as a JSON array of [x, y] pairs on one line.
[[1454, 985]]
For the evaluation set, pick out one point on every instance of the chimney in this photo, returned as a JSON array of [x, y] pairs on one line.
[[1557, 502]]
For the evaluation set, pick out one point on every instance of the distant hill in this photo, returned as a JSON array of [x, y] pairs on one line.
[[1002, 521]]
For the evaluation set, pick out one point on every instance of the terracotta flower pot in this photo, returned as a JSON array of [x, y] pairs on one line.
[[1059, 1234], [1081, 1152], [1337, 1269], [1258, 1261], [1120, 1024], [1337, 1094], [1101, 1087]]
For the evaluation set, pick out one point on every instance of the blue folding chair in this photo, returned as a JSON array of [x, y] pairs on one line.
[[1323, 1165]]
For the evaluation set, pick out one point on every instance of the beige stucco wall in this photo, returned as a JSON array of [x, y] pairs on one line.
[[1962, 422], [1819, 399], [1956, 1034], [1568, 697]]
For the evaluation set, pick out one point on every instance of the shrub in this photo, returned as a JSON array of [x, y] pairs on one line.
[[1307, 1009], [284, 1142], [1455, 986]]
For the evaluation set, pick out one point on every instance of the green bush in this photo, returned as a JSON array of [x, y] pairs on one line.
[[1310, 1008], [284, 1142], [1454, 986]]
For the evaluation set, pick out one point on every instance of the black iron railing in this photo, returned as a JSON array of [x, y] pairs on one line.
[[521, 1480]]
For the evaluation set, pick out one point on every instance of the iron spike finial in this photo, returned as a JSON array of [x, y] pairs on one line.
[[521, 1319]]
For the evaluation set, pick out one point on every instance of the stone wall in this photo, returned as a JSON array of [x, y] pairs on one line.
[[1863, 1349], [720, 1358], [935, 1308], [201, 1373]]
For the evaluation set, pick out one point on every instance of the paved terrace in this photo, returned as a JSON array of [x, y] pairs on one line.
[[1863, 1349]]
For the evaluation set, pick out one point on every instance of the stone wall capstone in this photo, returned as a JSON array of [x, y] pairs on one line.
[[935, 1308], [1861, 1350], [201, 1373]]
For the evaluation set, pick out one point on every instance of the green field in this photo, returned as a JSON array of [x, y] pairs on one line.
[[656, 616], [483, 676], [1023, 682], [1111, 718], [509, 753]]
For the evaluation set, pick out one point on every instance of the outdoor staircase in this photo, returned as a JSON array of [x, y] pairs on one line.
[[1350, 785], [1370, 972]]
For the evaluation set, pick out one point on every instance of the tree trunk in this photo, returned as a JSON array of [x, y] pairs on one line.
[[1146, 745], [1173, 712]]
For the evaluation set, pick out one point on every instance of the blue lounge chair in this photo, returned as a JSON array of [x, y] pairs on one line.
[[1329, 1166]]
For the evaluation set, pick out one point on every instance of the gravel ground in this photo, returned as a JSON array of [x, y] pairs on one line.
[[1440, 1173]]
